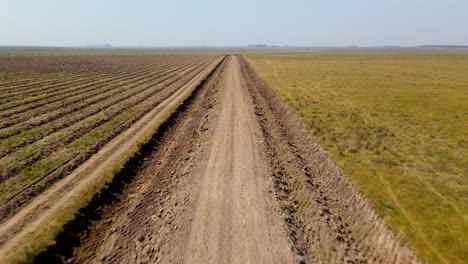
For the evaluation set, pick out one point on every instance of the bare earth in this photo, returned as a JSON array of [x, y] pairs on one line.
[[233, 221], [235, 178]]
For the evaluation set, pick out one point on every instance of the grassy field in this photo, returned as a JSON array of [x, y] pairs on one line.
[[397, 123]]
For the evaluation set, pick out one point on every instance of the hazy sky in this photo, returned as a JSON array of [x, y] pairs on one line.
[[233, 23]]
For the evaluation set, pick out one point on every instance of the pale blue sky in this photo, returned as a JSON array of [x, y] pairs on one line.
[[233, 23]]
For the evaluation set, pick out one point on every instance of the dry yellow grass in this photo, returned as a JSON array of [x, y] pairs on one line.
[[397, 123]]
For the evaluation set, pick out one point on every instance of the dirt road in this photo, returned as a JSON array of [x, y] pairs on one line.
[[234, 221], [234, 178]]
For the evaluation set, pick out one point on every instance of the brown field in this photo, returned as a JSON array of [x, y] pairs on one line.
[[51, 125]]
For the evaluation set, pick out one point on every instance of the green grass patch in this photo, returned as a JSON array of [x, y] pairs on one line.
[[21, 136]]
